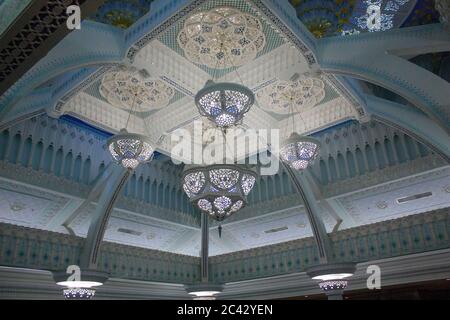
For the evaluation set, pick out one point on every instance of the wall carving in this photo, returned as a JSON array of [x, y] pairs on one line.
[[36, 249]]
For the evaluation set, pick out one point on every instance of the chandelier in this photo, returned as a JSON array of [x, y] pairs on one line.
[[78, 293], [130, 149], [219, 189], [299, 152], [224, 103]]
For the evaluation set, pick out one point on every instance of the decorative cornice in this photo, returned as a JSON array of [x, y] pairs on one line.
[[400, 237]]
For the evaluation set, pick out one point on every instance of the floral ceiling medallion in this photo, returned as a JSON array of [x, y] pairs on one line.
[[221, 38], [124, 87], [284, 97]]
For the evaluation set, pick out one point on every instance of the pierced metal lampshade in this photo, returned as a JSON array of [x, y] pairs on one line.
[[299, 152], [78, 293], [224, 103], [218, 189], [130, 149]]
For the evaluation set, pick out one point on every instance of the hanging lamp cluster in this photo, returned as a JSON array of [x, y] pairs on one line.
[[130, 149], [235, 38], [298, 151]]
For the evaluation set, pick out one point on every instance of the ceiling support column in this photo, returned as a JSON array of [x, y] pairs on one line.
[[91, 249]]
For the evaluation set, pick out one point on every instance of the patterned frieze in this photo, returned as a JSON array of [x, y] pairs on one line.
[[407, 235], [38, 249], [65, 158], [362, 152]]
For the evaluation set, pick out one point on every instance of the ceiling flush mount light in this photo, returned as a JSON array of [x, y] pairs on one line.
[[325, 18], [80, 290], [303, 92], [219, 189], [224, 103], [299, 152], [130, 149], [128, 87], [209, 37]]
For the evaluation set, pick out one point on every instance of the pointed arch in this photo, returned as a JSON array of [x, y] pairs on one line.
[[57, 168], [332, 168], [379, 153], [37, 155], [323, 172], [389, 152], [370, 158], [341, 166], [351, 164], [68, 165], [398, 145], [411, 149]]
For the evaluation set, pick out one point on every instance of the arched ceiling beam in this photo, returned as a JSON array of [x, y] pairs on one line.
[[371, 56], [94, 44]]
